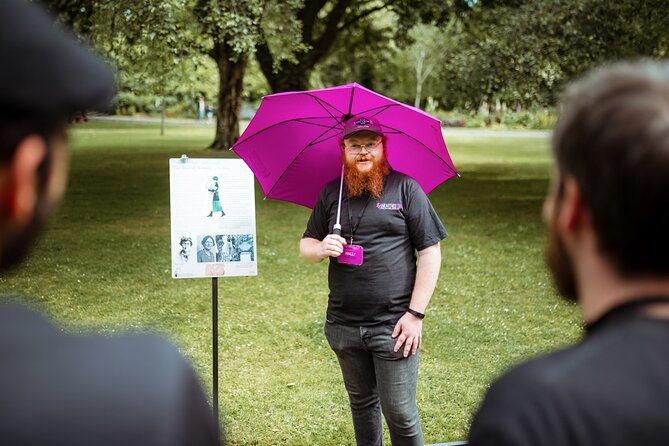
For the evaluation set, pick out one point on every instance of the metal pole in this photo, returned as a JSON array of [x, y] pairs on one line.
[[214, 323]]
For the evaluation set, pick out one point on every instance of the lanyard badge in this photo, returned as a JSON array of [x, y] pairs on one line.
[[353, 254]]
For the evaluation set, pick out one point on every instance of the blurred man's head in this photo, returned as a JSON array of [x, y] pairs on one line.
[[611, 145], [46, 77]]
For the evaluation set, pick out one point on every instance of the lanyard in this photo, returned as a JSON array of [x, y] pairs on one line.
[[350, 219]]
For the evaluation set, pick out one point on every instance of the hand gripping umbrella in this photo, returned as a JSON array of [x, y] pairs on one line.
[[292, 144]]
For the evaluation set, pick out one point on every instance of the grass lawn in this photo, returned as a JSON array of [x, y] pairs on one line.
[[104, 264]]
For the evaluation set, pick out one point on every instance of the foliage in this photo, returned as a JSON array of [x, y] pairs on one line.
[[232, 28], [518, 53], [324, 21], [523, 52], [255, 84], [281, 31], [104, 264], [534, 118], [362, 57], [233, 22], [155, 46], [415, 67]]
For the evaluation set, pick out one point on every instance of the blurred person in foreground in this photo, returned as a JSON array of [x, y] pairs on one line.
[[376, 305], [607, 213], [56, 388]]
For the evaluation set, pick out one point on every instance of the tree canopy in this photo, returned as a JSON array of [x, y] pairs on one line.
[[456, 53]]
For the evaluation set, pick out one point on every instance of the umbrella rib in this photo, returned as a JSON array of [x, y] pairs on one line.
[[386, 107], [303, 119], [321, 102], [383, 107], [313, 141], [426, 146]]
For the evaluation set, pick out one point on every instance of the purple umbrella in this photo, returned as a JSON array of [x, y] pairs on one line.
[[292, 142]]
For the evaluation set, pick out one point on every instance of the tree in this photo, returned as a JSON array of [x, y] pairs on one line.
[[322, 21], [156, 40], [425, 54], [233, 27], [521, 51], [154, 45], [76, 14], [360, 54]]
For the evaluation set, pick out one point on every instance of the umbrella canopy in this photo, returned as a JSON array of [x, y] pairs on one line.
[[292, 142]]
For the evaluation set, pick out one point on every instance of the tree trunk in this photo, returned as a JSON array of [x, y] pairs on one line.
[[231, 69], [295, 77], [419, 59], [162, 117], [291, 77], [419, 90]]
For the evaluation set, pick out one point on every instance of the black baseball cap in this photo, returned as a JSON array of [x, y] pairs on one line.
[[44, 69]]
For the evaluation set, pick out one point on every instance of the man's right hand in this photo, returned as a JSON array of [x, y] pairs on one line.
[[331, 246], [316, 250]]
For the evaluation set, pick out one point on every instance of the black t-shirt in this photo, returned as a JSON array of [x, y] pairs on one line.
[[76, 390], [390, 230], [611, 389]]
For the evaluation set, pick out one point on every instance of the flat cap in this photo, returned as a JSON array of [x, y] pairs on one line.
[[44, 69]]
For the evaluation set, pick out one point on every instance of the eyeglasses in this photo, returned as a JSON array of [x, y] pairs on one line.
[[357, 148]]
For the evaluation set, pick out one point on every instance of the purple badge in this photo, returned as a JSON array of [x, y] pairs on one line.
[[352, 255]]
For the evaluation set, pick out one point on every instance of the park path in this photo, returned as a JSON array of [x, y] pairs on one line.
[[453, 131]]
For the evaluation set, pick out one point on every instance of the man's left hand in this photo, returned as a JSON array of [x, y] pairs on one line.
[[408, 332]]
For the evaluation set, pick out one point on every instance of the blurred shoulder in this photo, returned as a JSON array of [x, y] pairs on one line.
[[521, 407]]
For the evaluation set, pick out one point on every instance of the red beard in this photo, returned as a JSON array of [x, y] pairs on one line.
[[371, 181]]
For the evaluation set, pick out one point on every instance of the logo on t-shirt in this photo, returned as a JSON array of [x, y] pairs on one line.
[[389, 206]]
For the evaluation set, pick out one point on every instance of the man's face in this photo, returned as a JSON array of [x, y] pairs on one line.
[[19, 243], [557, 256], [185, 247], [363, 150]]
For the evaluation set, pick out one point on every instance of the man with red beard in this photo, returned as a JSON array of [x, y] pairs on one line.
[[382, 273], [608, 218]]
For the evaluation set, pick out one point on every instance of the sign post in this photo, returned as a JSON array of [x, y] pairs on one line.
[[213, 228], [214, 343]]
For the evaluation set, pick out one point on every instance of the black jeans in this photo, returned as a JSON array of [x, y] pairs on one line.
[[378, 380]]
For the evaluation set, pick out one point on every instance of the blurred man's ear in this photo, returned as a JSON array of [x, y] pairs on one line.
[[21, 180], [573, 213]]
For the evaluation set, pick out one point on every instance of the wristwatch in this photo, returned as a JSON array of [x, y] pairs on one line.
[[418, 314]]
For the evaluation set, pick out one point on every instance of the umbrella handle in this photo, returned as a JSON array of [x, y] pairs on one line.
[[336, 229]]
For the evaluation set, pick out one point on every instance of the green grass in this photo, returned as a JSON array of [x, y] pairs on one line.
[[104, 264]]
